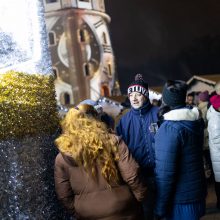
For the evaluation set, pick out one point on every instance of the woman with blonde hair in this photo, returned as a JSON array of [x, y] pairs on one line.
[[95, 174]]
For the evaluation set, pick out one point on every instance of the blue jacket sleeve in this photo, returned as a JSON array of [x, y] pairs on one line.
[[167, 147]]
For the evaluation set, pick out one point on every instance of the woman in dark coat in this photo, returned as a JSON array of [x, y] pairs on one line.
[[180, 178], [95, 175]]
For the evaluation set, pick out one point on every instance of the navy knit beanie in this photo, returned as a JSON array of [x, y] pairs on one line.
[[174, 93], [139, 85]]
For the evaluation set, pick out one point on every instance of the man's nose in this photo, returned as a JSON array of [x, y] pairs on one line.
[[135, 96]]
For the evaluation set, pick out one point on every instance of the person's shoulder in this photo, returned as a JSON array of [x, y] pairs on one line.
[[169, 125], [212, 114], [59, 157], [126, 114], [59, 161], [65, 160]]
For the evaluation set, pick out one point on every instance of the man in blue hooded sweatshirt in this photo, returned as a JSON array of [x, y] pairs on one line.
[[137, 128], [179, 172]]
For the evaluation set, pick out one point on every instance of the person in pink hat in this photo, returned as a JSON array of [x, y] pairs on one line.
[[213, 117]]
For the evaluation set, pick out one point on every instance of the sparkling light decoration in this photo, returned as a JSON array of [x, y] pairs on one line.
[[28, 115], [23, 42], [26, 101]]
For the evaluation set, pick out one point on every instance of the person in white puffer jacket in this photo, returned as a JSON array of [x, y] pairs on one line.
[[213, 117]]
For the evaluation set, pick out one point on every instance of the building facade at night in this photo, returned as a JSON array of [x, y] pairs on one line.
[[81, 51]]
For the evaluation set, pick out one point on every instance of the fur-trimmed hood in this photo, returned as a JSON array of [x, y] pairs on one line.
[[189, 118], [185, 114]]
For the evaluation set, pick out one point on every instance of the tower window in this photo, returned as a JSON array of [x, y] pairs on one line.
[[109, 70], [55, 72], [65, 98], [83, 35], [105, 91], [86, 69], [104, 38], [51, 38]]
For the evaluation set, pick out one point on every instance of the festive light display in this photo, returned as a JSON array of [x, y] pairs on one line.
[[23, 38], [28, 117], [26, 101]]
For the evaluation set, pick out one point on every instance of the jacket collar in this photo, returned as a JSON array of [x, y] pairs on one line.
[[143, 109], [182, 114]]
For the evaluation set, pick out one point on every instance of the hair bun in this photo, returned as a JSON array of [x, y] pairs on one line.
[[138, 77]]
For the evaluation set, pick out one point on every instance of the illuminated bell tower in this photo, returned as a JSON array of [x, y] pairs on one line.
[[81, 51]]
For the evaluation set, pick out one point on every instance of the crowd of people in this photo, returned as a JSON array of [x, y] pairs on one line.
[[148, 165]]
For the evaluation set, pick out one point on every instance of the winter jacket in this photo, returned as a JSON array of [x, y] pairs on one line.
[[179, 168], [93, 199], [213, 118], [137, 128]]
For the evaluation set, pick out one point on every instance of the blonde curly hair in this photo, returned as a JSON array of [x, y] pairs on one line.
[[88, 142]]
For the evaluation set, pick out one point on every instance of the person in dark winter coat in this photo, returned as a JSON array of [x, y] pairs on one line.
[[95, 174], [180, 178], [137, 128]]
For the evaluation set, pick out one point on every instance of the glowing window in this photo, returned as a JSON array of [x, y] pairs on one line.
[[105, 91]]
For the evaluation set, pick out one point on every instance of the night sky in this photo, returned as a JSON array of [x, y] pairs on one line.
[[164, 39]]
